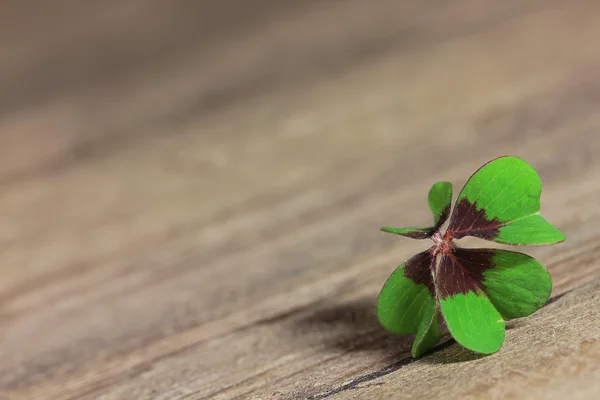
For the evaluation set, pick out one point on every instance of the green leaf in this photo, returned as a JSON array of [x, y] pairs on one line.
[[533, 229], [405, 296], [474, 322], [440, 200], [428, 334], [414, 233], [501, 202], [517, 284], [470, 316]]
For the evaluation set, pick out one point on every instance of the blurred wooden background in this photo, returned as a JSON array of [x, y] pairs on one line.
[[191, 191]]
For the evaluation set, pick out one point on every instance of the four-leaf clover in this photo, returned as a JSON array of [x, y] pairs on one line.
[[476, 290]]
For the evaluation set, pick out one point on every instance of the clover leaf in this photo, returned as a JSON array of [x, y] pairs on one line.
[[476, 290]]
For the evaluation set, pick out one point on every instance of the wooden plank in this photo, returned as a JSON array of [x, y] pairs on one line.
[[565, 335], [165, 236]]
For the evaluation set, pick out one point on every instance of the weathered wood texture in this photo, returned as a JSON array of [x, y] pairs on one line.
[[191, 192]]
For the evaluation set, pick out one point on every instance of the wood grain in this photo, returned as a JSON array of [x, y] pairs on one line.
[[191, 192]]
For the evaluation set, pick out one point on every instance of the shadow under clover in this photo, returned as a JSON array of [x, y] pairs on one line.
[[449, 352], [351, 326]]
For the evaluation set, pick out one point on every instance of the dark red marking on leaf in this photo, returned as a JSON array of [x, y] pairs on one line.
[[467, 220], [419, 235], [443, 216], [461, 271], [419, 270]]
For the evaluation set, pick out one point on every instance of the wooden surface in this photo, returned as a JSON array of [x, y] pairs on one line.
[[191, 192]]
